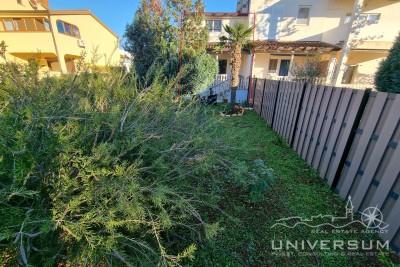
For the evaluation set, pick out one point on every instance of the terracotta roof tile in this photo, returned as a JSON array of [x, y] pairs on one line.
[[225, 14], [300, 46]]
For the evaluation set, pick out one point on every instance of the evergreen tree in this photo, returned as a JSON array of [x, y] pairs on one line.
[[188, 16], [171, 38], [147, 37], [387, 78]]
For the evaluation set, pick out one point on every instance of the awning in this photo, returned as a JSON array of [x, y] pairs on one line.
[[294, 46]]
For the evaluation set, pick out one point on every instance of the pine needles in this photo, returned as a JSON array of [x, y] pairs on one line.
[[95, 171]]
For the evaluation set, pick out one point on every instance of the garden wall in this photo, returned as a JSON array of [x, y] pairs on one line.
[[350, 137]]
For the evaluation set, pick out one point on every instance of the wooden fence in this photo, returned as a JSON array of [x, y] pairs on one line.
[[351, 137]]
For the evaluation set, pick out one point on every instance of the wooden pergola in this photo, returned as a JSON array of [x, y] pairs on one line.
[[284, 47]]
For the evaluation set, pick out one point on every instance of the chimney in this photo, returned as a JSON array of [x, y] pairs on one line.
[[45, 3]]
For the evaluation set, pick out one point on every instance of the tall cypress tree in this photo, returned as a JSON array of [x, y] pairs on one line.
[[188, 16], [387, 78], [147, 36]]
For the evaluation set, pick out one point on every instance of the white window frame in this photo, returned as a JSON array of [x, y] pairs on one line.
[[299, 21], [213, 25], [367, 17], [269, 66], [9, 22], [278, 66]]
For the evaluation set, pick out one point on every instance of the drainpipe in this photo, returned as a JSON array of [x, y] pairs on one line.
[[253, 56], [253, 50], [250, 94], [254, 37]]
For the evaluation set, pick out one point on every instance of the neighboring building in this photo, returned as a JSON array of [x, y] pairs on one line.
[[126, 60], [57, 39], [350, 37]]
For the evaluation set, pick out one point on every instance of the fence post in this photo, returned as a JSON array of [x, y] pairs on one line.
[[262, 98], [248, 90], [253, 91], [351, 138], [275, 100], [296, 122]]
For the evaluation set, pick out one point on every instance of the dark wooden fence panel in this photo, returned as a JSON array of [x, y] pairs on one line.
[[295, 109], [251, 89], [326, 119], [306, 108], [351, 137], [343, 124], [287, 106], [258, 95], [319, 120], [270, 94], [371, 175]]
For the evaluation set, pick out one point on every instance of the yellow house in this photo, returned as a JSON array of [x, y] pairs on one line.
[[349, 37], [57, 39]]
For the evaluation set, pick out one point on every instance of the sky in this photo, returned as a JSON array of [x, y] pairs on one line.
[[117, 13]]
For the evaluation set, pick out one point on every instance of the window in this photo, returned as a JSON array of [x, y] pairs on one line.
[[19, 25], [24, 24], [60, 26], [210, 25], [30, 24], [68, 29], [303, 16], [370, 18], [76, 32], [348, 17], [279, 66], [284, 67], [273, 65], [47, 24], [9, 25], [217, 25], [40, 24], [214, 25]]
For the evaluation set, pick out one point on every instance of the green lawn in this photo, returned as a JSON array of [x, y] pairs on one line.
[[297, 191]]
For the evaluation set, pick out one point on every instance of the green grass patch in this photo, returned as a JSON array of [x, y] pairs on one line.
[[297, 190]]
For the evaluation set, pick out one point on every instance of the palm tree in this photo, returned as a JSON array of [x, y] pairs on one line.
[[237, 39]]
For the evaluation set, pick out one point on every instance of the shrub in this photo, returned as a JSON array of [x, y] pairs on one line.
[[253, 178], [198, 71], [309, 70], [387, 78], [96, 171]]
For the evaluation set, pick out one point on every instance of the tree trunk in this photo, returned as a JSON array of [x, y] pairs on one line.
[[233, 96], [236, 63]]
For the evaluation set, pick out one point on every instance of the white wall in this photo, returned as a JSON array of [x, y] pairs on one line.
[[383, 34], [214, 36], [367, 65], [14, 5], [276, 19], [245, 68]]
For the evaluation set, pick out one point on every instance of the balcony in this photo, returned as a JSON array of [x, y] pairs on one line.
[[29, 42]]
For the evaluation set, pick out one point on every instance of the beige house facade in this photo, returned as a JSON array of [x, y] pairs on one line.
[[348, 37], [59, 40]]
